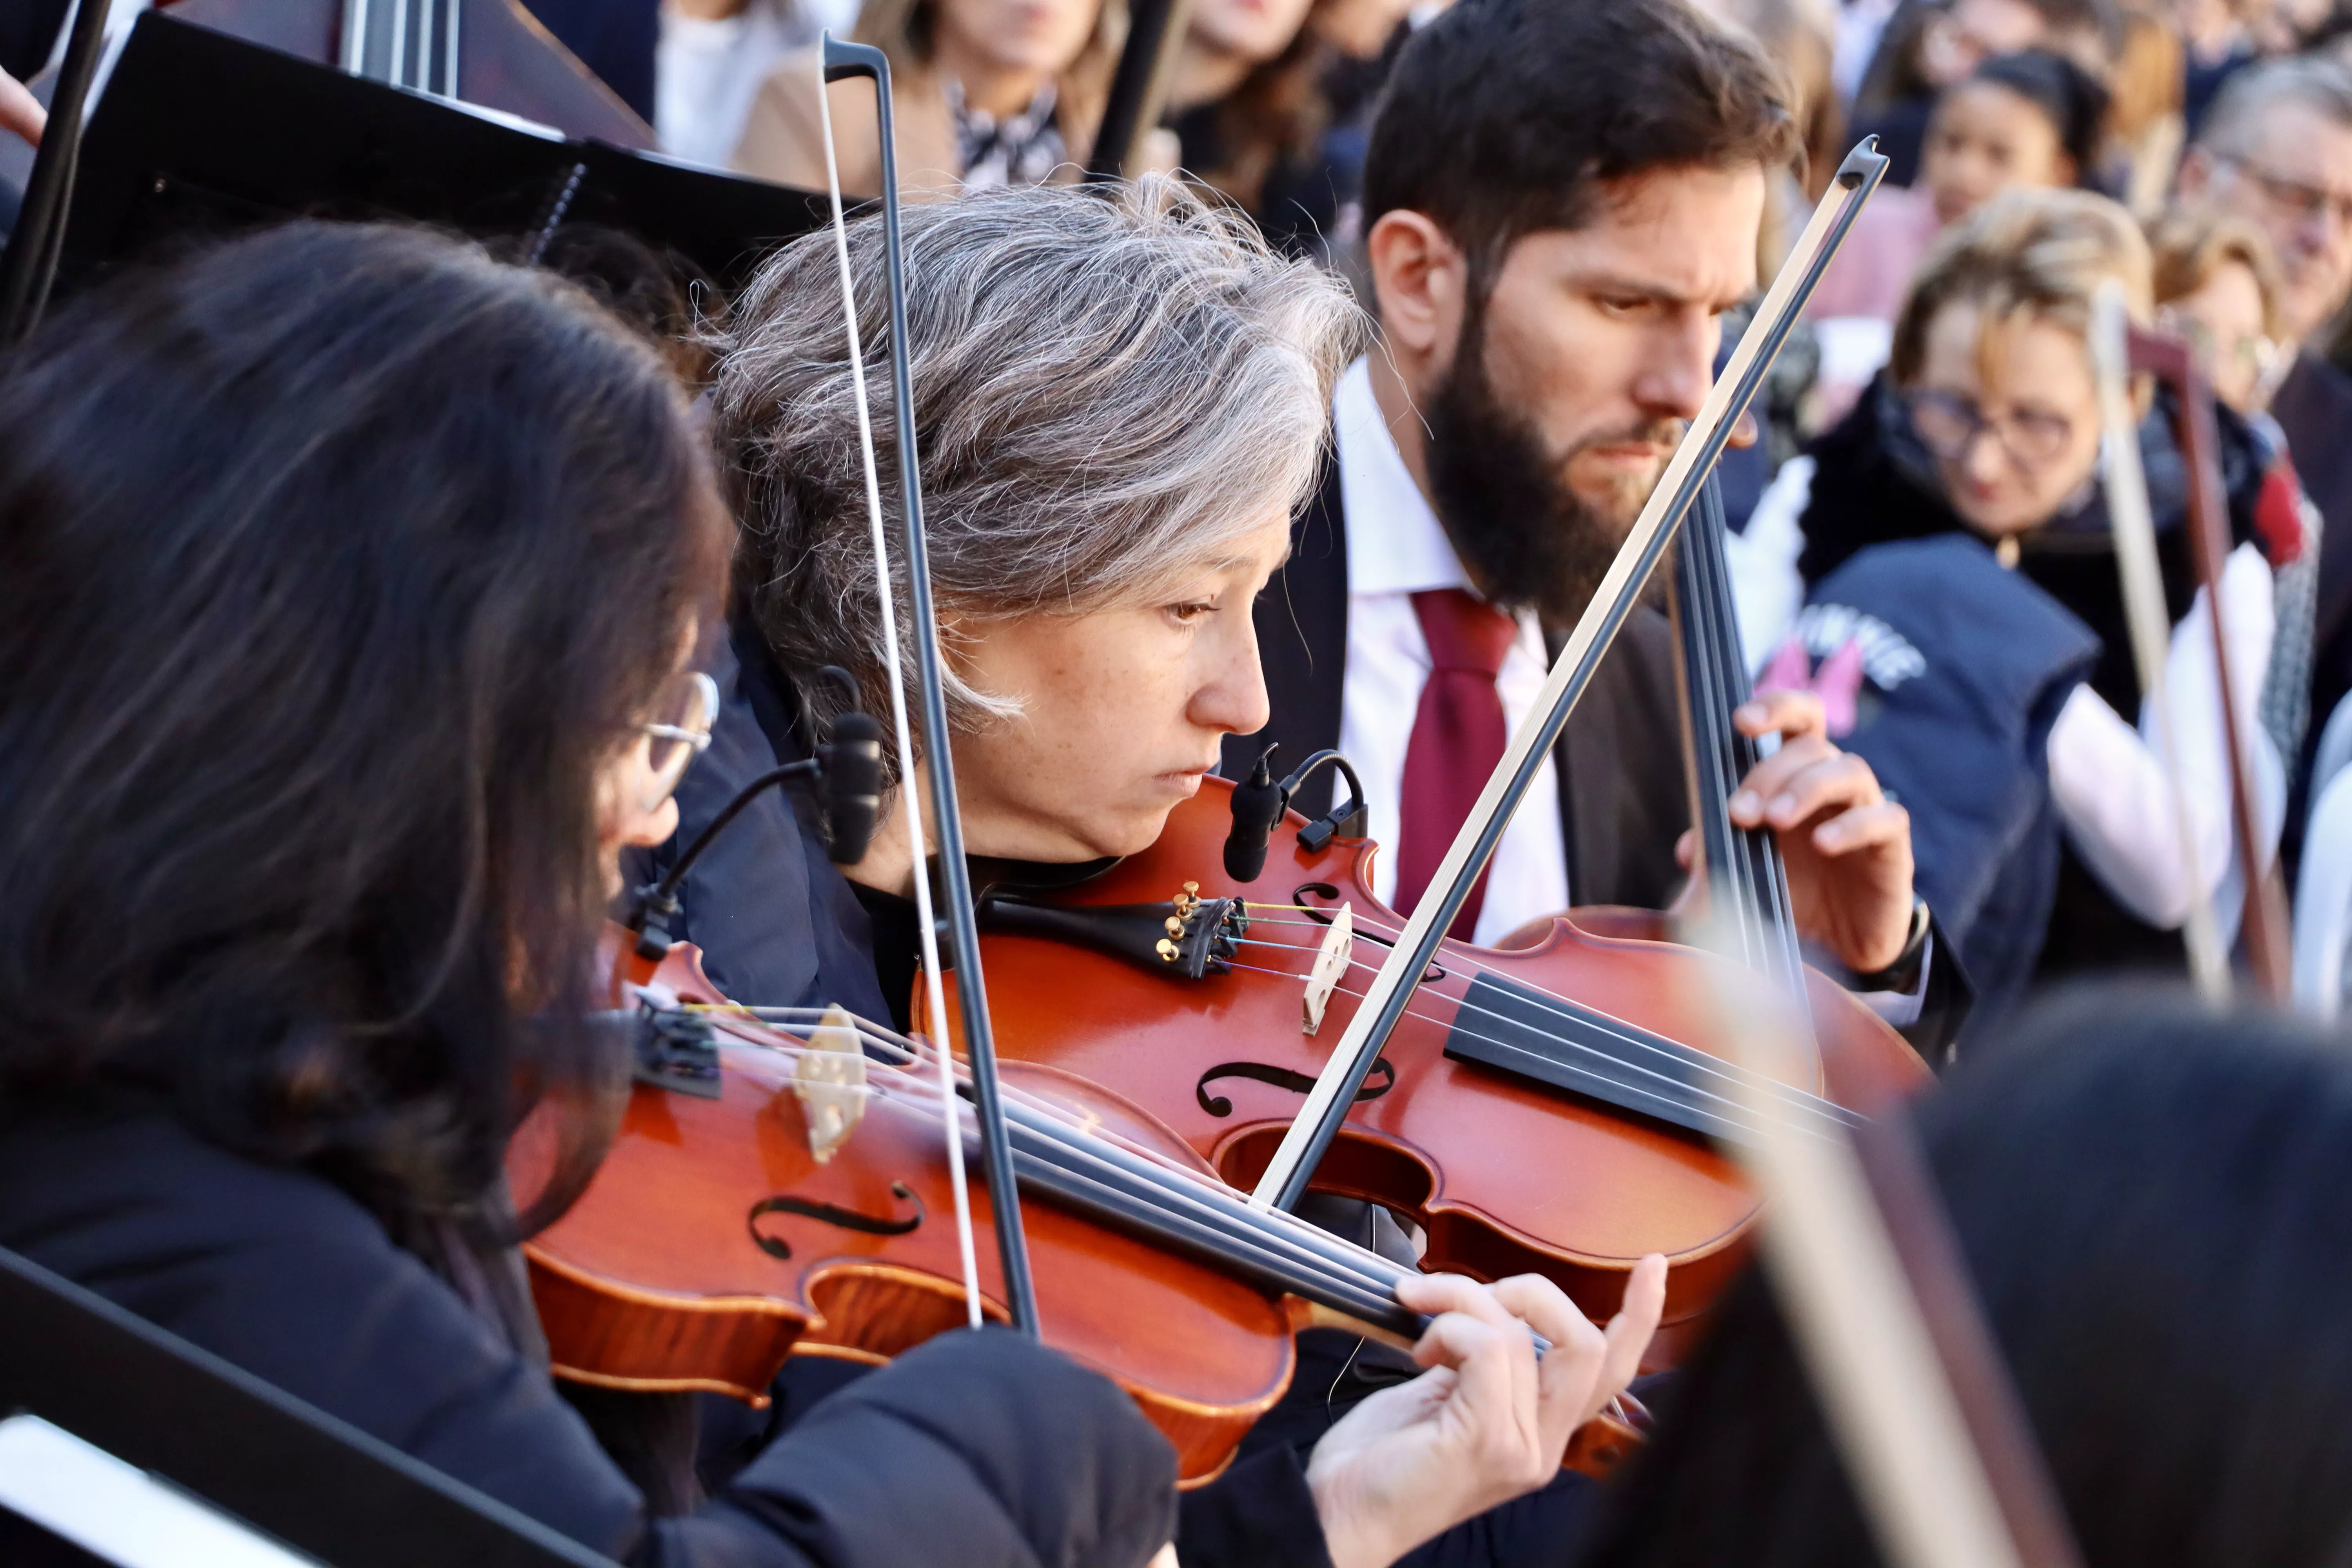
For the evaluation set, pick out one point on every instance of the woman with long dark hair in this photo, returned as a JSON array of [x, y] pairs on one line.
[[348, 585]]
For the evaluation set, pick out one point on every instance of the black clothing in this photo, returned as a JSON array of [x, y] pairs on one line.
[[2314, 406], [614, 38], [28, 31], [1874, 482], [897, 949], [974, 1449], [1901, 128], [1623, 795]]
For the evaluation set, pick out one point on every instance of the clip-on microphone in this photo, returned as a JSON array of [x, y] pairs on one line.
[[1258, 805], [845, 777]]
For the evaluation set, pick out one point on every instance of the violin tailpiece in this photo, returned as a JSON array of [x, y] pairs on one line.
[[1188, 938]]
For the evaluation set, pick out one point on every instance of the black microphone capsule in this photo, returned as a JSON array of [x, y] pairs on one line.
[[1258, 804], [853, 785]]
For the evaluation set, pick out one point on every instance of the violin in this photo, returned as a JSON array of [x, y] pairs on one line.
[[1552, 1106], [1560, 1104], [779, 1186]]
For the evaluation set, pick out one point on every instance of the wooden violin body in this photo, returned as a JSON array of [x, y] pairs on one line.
[[711, 1244], [505, 59], [1505, 1173]]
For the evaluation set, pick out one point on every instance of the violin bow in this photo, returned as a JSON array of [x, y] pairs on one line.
[[2269, 948], [842, 61], [1880, 1307], [2128, 514], [1391, 990]]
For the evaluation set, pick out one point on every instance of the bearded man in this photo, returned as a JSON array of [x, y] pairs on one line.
[[1560, 202]]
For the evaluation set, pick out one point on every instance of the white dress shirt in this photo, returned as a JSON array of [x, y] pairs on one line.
[[1397, 548]]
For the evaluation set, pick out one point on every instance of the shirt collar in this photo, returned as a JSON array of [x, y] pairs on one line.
[[1395, 543]]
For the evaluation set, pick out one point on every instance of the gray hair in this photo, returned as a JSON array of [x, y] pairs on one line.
[[1109, 391], [2321, 85]]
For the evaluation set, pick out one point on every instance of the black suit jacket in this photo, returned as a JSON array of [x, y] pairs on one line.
[[1624, 795], [1624, 798], [2314, 408]]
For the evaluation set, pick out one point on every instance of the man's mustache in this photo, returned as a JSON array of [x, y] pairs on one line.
[[1667, 433]]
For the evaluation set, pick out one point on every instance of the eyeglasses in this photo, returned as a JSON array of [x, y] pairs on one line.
[[2295, 198], [1949, 426], [2258, 356], [681, 734]]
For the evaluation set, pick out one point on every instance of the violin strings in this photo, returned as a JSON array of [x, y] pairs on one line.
[[1287, 1249], [1562, 1007], [1796, 1099], [1736, 1113]]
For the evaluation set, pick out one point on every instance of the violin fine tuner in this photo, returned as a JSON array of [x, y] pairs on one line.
[[676, 1050]]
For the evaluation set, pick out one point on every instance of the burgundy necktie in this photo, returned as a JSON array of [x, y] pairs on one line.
[[1458, 736]]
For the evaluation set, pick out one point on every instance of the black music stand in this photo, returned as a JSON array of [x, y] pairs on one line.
[[199, 134], [78, 1373]]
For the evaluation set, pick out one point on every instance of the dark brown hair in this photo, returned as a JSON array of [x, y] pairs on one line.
[[1508, 117], [334, 562]]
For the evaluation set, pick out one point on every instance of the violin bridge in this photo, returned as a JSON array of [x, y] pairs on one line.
[[830, 1081], [1331, 964]]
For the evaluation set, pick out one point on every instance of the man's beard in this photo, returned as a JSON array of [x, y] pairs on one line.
[[1528, 541]]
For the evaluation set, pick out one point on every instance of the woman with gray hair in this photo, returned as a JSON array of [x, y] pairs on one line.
[[1119, 403]]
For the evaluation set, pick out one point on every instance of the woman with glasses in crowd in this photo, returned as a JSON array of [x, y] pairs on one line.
[[348, 583], [1985, 428]]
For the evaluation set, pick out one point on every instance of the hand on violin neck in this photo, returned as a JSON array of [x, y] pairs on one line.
[[1846, 845], [1488, 1421]]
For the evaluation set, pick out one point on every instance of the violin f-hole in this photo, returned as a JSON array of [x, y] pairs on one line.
[[1378, 1082], [831, 1213]]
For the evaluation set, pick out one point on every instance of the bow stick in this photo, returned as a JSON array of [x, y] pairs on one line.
[[843, 62], [2269, 950], [2144, 612], [1384, 1003]]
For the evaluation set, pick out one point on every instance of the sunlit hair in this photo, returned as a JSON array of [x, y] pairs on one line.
[[2190, 245], [2024, 256], [1109, 394], [2314, 82]]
